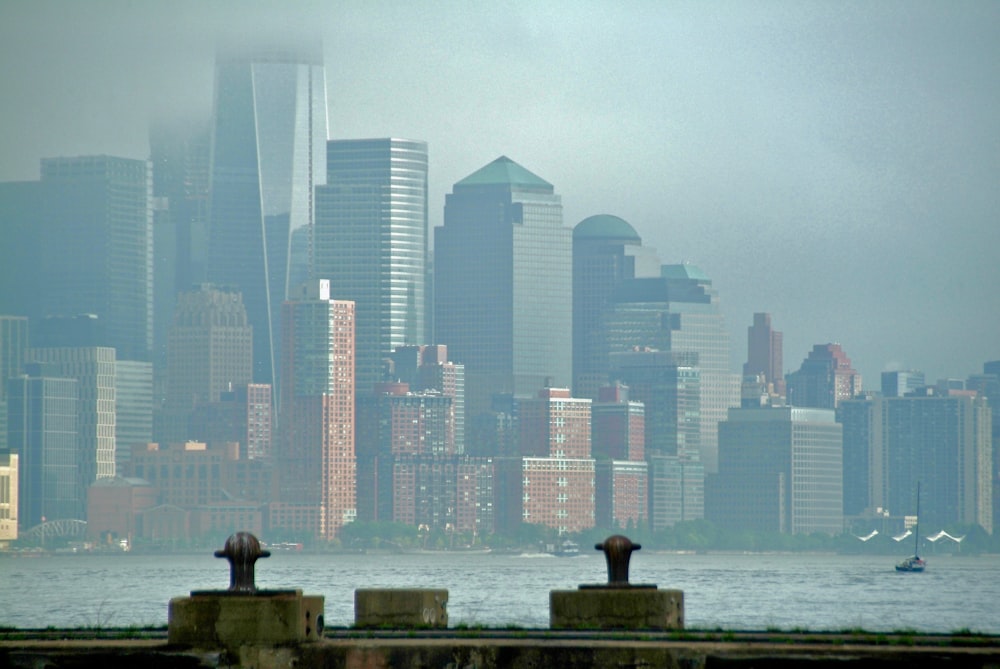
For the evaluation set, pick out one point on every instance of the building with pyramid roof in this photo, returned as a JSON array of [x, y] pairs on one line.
[[503, 283]]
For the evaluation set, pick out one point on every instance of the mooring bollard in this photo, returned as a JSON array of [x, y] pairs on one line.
[[243, 615], [242, 550], [617, 552], [617, 604]]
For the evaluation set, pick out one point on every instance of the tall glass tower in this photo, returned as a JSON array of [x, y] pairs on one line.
[[680, 312], [370, 241], [268, 153], [97, 255], [606, 251], [503, 284]]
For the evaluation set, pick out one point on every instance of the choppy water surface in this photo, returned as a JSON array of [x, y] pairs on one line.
[[741, 592]]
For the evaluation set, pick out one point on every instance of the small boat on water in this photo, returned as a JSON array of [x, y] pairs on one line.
[[914, 563], [567, 549]]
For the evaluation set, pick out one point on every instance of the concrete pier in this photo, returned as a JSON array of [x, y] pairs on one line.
[[401, 608]]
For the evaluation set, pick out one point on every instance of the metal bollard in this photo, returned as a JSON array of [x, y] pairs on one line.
[[242, 550], [617, 551]]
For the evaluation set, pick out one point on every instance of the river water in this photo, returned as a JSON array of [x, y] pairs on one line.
[[736, 592]]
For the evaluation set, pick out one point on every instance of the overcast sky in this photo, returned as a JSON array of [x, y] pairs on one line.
[[834, 163]]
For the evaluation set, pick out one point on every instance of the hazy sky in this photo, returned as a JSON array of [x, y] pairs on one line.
[[834, 163]]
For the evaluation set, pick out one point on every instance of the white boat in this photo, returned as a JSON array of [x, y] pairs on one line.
[[914, 563]]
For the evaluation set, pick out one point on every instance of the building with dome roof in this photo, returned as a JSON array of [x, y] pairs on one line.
[[606, 251]]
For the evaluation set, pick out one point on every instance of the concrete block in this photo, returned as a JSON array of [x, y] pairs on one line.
[[616, 609], [400, 607], [230, 620]]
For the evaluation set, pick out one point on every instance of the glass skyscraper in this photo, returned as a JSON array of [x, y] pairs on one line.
[[370, 241], [268, 153], [606, 251], [43, 434], [780, 470], [680, 312], [97, 258], [503, 266]]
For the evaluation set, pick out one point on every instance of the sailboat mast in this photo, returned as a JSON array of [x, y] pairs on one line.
[[916, 527]]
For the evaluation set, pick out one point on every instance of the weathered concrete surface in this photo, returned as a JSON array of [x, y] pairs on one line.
[[455, 651], [616, 609], [230, 621], [400, 608]]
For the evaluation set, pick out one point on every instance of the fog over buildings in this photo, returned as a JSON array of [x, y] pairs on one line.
[[833, 164]]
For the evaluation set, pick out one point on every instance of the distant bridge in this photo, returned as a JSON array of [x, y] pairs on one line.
[[67, 528]]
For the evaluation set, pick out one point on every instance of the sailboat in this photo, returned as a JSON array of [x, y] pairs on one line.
[[914, 563]]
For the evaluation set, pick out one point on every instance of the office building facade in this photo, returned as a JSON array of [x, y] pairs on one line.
[[209, 352], [13, 346], [268, 153], [606, 251], [98, 247], [900, 383], [503, 284], [764, 355], [95, 370], [133, 408], [824, 380], [680, 312], [42, 433], [396, 424], [370, 241], [316, 448], [9, 496], [21, 252], [180, 153], [780, 470], [941, 441]]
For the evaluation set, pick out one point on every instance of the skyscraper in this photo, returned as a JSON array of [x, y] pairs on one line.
[[399, 431], [503, 284], [94, 368], [621, 479], [428, 368], [42, 431], [780, 470], [316, 456], [606, 251], [133, 408], [98, 247], [824, 380], [20, 254], [764, 354], [370, 241], [268, 153], [941, 441], [669, 386], [209, 351], [900, 383], [679, 312], [557, 486], [13, 346], [180, 153]]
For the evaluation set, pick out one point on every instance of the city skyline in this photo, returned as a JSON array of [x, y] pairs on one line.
[[830, 165], [317, 278]]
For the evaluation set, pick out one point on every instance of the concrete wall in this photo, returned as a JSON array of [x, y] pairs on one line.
[[538, 649]]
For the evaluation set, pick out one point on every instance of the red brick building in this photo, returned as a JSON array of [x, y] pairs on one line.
[[316, 456]]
